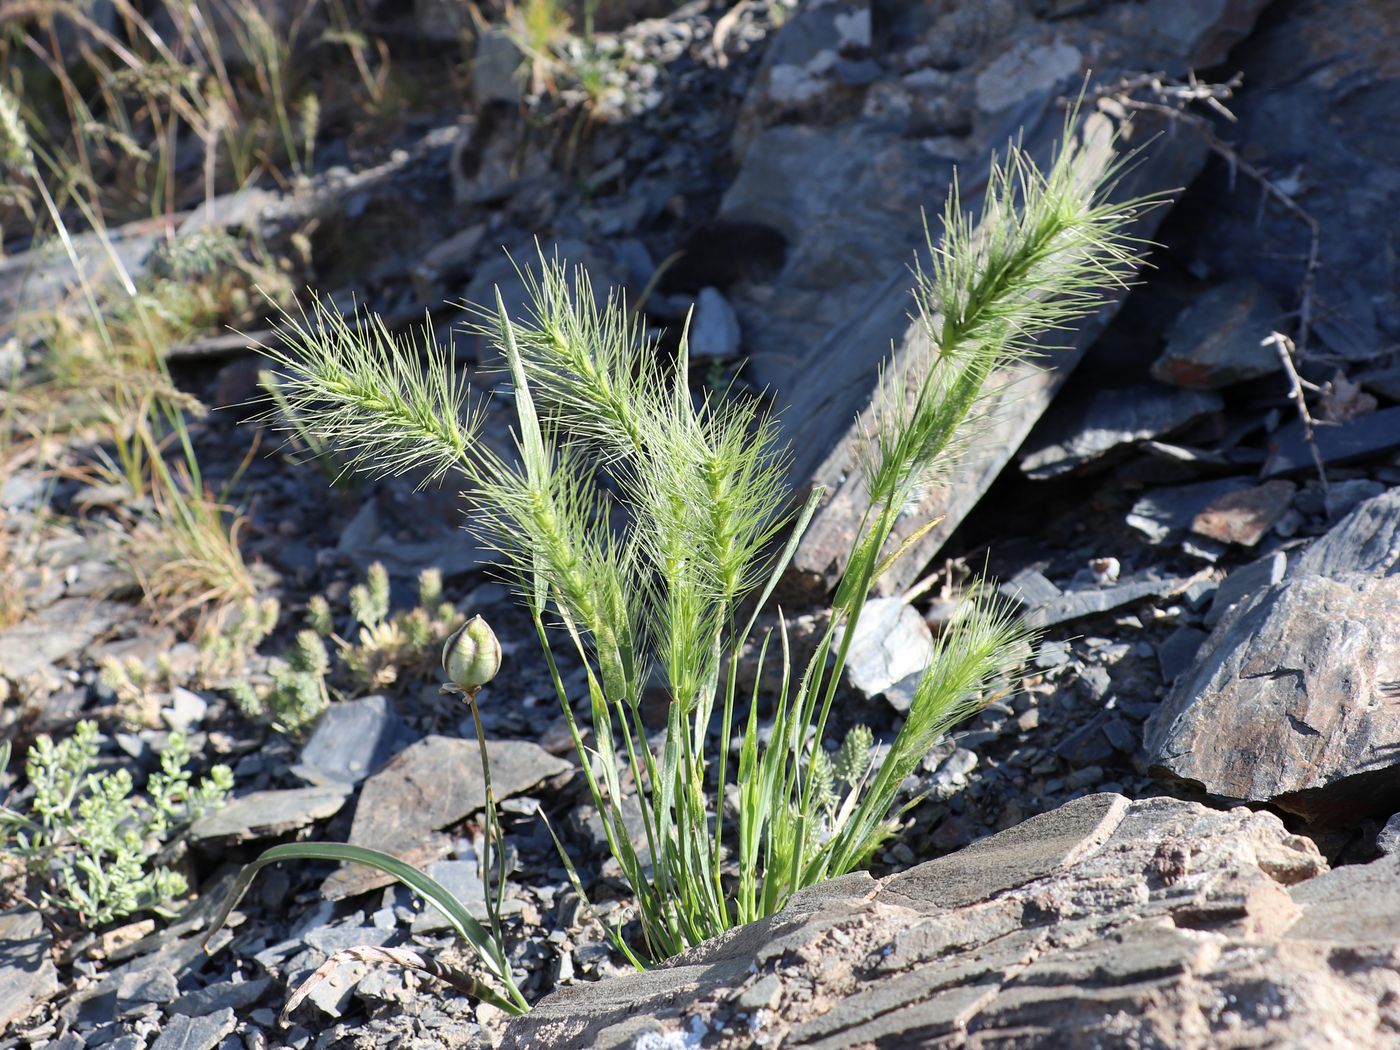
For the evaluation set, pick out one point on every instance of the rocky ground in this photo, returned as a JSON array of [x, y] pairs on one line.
[[1166, 835]]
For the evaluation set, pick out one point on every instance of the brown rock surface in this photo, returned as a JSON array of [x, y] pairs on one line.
[[1295, 697], [1103, 923]]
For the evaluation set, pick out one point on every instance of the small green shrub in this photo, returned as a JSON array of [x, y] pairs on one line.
[[87, 841]]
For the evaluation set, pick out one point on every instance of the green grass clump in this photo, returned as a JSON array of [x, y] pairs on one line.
[[87, 841], [674, 594]]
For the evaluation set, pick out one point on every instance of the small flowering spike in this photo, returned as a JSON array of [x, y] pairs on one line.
[[472, 656]]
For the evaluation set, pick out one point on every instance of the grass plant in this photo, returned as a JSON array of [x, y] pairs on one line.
[[184, 551], [674, 596]]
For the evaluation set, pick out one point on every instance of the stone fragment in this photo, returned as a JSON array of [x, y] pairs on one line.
[[430, 785], [1178, 651], [1343, 496], [1246, 516], [352, 740], [1080, 434], [1030, 588], [714, 328], [226, 995], [1091, 601], [1367, 541], [182, 1032], [53, 634], [1365, 437], [269, 814], [1104, 922], [186, 711], [1089, 745], [446, 261], [462, 881], [1025, 69], [891, 643], [1165, 514], [1218, 339], [1291, 699], [1382, 381], [139, 987], [28, 977], [1388, 838], [1245, 584]]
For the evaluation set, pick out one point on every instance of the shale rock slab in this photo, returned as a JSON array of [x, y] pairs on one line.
[[1294, 699], [1102, 923]]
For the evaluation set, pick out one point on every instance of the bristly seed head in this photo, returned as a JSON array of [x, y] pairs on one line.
[[472, 656]]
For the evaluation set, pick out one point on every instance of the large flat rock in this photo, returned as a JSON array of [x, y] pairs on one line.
[[428, 786], [1292, 700], [1103, 923]]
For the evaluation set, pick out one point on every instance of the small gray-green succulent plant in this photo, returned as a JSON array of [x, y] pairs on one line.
[[87, 840]]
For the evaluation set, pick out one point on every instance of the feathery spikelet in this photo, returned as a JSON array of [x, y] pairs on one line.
[[318, 616], [15, 152], [854, 757]]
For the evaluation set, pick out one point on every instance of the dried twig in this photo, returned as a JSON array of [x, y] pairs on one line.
[[1284, 346], [723, 27], [1171, 99]]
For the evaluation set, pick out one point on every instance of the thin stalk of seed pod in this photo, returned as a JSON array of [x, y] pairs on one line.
[[493, 827]]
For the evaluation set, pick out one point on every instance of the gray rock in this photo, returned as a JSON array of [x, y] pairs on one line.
[[1291, 701], [461, 879], [1362, 438], [330, 939], [428, 786], [1076, 434], [182, 1032], [1367, 541], [1246, 584], [1348, 173], [186, 711], [268, 814], [351, 741], [1103, 922], [496, 68], [1218, 339], [891, 643], [1031, 588], [446, 261], [1388, 839], [226, 995], [1028, 68], [139, 987], [1092, 601], [1343, 496], [28, 977], [1089, 745], [1382, 381], [1053, 653], [55, 633], [1178, 651], [714, 330], [1166, 514]]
